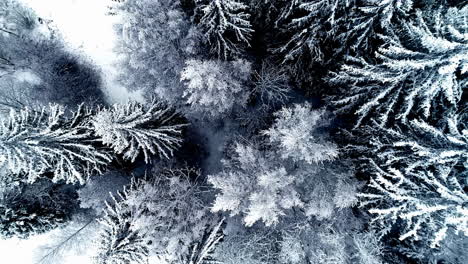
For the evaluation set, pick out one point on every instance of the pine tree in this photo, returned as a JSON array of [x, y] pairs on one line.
[[131, 129], [202, 253], [155, 37], [255, 186], [170, 212], [295, 132], [419, 72], [309, 23], [225, 25], [38, 143], [65, 145], [117, 242], [369, 18], [32, 209], [161, 217], [428, 203], [216, 87], [418, 178]]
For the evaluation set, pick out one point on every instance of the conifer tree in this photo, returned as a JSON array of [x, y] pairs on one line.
[[419, 178], [421, 72], [36, 143], [226, 26], [308, 24], [216, 87], [65, 145], [296, 133], [162, 218], [202, 253], [370, 18], [133, 128], [117, 242], [155, 38]]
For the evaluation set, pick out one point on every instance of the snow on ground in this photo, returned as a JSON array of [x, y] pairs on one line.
[[88, 30]]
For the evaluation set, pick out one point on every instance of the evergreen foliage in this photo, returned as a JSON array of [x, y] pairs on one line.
[[131, 129], [322, 131], [66, 144], [160, 217], [421, 71], [155, 37], [215, 87], [420, 182], [118, 243], [226, 26], [295, 134], [37, 143], [27, 210]]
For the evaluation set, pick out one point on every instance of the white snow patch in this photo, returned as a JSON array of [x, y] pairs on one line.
[[87, 28], [28, 76]]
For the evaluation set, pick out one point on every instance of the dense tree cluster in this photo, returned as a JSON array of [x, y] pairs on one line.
[[74, 147], [270, 131]]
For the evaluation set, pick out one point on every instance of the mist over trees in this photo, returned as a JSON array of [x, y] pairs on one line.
[[270, 131]]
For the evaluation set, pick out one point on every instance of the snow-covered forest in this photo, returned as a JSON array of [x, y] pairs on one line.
[[235, 132]]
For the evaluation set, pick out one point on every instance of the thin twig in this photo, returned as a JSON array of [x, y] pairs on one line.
[[57, 248], [9, 32]]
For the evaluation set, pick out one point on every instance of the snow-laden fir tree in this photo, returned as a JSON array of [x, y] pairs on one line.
[[371, 17], [255, 186], [308, 24], [313, 244], [165, 213], [216, 87], [429, 203], [203, 251], [296, 133], [225, 25], [420, 72], [418, 181], [134, 128], [66, 145], [369, 248], [23, 223], [32, 209], [118, 243], [171, 213], [327, 189], [155, 37], [47, 142]]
